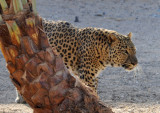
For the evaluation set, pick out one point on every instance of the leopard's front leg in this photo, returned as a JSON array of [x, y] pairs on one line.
[[87, 73]]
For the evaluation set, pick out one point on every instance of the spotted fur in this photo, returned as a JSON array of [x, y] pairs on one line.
[[87, 51]]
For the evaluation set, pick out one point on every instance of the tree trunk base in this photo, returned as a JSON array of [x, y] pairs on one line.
[[36, 69]]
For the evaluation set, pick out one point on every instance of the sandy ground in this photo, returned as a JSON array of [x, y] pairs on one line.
[[137, 91]]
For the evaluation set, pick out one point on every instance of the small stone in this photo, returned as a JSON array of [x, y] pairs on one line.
[[100, 14], [76, 19]]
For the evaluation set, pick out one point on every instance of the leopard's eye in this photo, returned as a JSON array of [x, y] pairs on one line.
[[133, 51]]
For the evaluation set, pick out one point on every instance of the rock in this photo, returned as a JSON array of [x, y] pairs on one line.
[[76, 19]]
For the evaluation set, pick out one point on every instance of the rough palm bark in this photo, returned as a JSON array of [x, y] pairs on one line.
[[36, 69]]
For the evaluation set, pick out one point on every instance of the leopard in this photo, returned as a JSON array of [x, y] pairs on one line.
[[88, 51]]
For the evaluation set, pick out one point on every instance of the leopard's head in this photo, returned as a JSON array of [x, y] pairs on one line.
[[122, 51]]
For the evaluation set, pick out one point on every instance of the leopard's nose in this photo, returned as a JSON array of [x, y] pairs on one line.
[[134, 61]]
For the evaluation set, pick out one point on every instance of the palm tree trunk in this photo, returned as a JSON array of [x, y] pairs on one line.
[[36, 69]]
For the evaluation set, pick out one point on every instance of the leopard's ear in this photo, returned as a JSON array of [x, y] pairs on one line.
[[112, 38], [130, 35]]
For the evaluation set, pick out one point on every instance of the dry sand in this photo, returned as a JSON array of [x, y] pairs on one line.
[[137, 91]]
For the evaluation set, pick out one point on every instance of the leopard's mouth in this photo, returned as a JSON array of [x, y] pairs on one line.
[[129, 66], [130, 63]]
